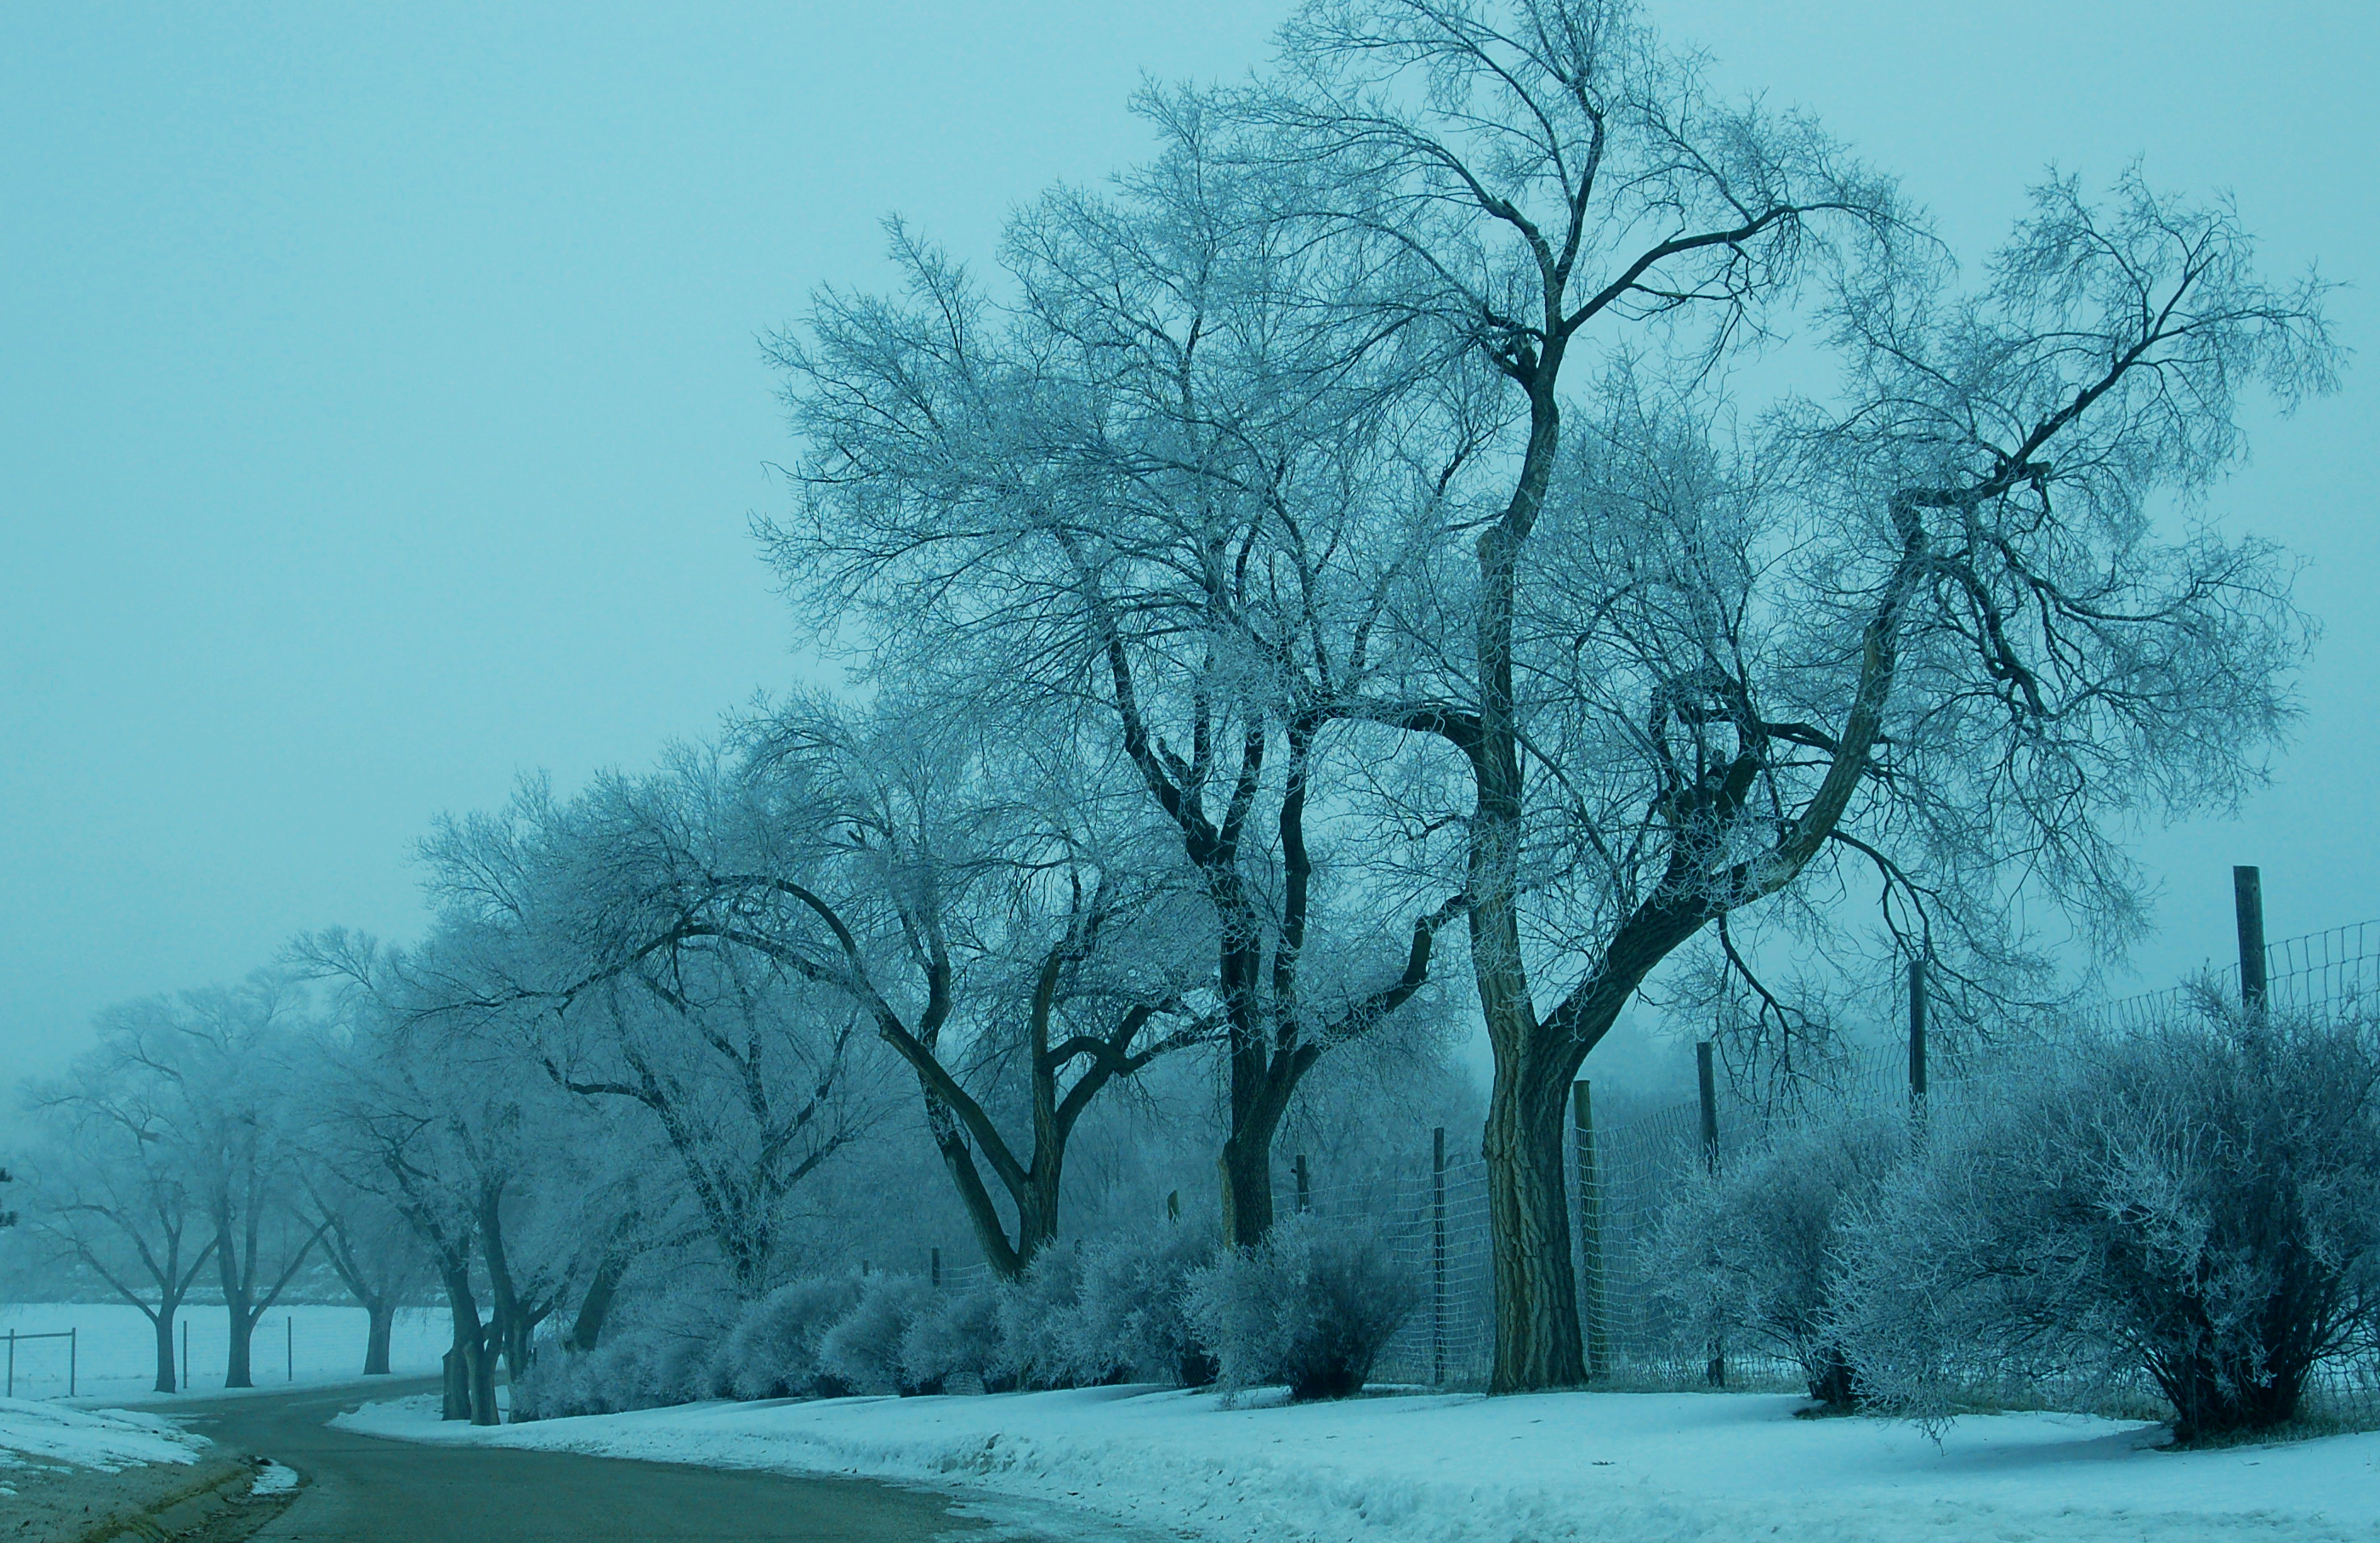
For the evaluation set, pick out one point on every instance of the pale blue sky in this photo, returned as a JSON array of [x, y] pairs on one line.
[[382, 412]]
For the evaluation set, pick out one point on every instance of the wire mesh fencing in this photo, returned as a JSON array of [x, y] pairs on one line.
[[1627, 1178]]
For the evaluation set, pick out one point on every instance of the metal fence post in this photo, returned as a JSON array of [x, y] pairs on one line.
[[288, 1348], [1437, 1256], [1709, 1089], [186, 1354], [1590, 1231], [1917, 1046], [1715, 1372], [72, 1346], [12, 1365], [2248, 908]]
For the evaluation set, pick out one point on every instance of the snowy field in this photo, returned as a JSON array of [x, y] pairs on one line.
[[115, 1349], [43, 1434], [1614, 1468]]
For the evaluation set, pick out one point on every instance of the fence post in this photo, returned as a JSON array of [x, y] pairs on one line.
[[1300, 1167], [72, 1345], [1709, 1089], [1437, 1256], [1590, 1230], [288, 1348], [2248, 907], [12, 1366], [1715, 1372], [934, 1266], [185, 1355], [1917, 1046]]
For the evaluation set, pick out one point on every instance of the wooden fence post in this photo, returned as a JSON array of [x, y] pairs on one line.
[[1437, 1256], [2248, 908], [1590, 1231], [1301, 1184], [934, 1266]]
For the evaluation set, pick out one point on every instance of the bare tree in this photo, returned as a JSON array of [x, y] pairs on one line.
[[1154, 495], [546, 951], [1932, 621], [374, 1251], [204, 1071], [110, 1191]]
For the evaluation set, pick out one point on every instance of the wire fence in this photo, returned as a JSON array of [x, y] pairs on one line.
[[1627, 1177]]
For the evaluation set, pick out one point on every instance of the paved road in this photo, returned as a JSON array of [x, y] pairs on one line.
[[361, 1489]]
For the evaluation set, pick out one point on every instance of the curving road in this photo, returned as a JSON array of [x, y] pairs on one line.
[[362, 1490]]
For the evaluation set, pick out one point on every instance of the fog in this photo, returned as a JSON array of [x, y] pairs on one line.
[[384, 414]]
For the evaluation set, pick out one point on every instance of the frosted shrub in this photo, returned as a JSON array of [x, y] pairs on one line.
[[956, 1337], [1752, 1254], [1040, 1311], [2193, 1202], [1134, 1304], [641, 1369], [773, 1349], [1311, 1307], [863, 1351]]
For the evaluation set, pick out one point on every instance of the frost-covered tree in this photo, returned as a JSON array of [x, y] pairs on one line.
[[110, 1191], [1934, 626], [1145, 487], [200, 1079], [555, 945]]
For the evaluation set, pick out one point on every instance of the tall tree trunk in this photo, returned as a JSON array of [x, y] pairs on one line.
[[586, 1328], [1246, 1165], [163, 1320], [381, 1318], [1537, 1343], [461, 1355], [242, 1325], [504, 1303], [483, 1379]]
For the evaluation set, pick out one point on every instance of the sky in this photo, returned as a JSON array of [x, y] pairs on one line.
[[382, 414]]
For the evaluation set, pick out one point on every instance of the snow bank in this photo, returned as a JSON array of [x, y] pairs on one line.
[[1613, 1467], [105, 1438]]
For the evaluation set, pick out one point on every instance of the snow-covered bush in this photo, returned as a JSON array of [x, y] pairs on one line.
[[773, 1349], [1134, 1304], [2194, 1202], [1040, 1313], [956, 1337], [1311, 1307], [641, 1369], [1752, 1254], [864, 1349]]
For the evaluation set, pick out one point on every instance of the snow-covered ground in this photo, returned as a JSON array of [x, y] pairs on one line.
[[115, 1349], [1613, 1467], [106, 1438]]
